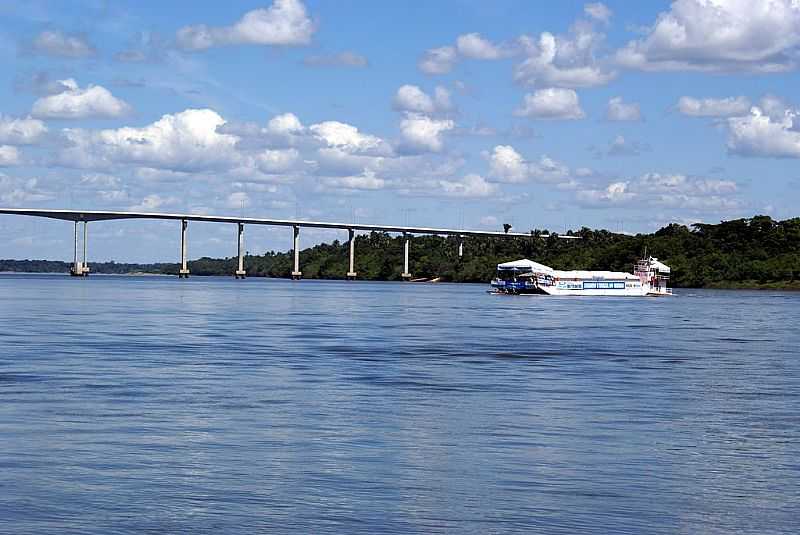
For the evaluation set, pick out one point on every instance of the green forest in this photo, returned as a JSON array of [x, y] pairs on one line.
[[744, 253]]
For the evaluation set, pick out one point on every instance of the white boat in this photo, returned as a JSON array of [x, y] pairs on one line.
[[650, 278]]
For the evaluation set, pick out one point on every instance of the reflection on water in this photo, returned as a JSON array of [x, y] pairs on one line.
[[152, 404]]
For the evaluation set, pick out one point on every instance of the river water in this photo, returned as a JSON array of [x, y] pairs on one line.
[[153, 405]]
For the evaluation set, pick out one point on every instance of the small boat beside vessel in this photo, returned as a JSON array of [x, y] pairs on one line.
[[650, 278]]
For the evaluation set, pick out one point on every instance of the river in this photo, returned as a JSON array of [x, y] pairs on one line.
[[153, 405]]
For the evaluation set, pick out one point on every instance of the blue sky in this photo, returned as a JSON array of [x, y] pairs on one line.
[[622, 115]]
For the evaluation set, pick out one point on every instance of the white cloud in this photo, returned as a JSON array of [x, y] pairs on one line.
[[598, 11], [57, 43], [283, 130], [441, 60], [618, 110], [153, 202], [285, 22], [413, 99], [438, 60], [26, 131], [422, 133], [276, 160], [551, 103], [185, 141], [345, 137], [614, 193], [471, 185], [508, 165], [342, 59], [473, 46], [489, 221], [19, 191], [564, 61], [9, 156], [364, 181], [765, 133], [285, 123], [713, 107], [665, 190], [719, 35], [75, 103]]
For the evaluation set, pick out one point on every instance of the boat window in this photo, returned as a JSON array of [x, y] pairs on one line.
[[595, 285]]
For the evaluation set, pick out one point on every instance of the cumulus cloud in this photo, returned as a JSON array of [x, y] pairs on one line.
[[665, 190], [367, 180], [198, 145], [271, 161], [284, 23], [471, 185], [766, 132], [727, 36], [551, 103], [285, 124], [713, 107], [413, 99], [346, 137], [59, 44], [186, 141], [283, 130], [508, 165], [152, 202], [438, 60], [441, 60], [17, 131], [342, 59], [422, 133], [618, 110], [94, 101], [9, 156], [473, 46], [16, 191], [564, 60]]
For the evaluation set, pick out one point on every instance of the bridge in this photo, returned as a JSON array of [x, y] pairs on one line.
[[80, 266]]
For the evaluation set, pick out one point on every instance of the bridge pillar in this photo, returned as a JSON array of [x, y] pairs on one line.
[[240, 272], [85, 265], [406, 275], [351, 274], [296, 273], [183, 273], [77, 267]]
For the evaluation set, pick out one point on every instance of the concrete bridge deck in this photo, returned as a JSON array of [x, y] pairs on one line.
[[80, 268]]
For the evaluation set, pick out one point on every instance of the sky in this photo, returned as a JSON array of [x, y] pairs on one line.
[[467, 114]]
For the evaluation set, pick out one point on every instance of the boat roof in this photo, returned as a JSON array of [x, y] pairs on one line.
[[660, 266], [527, 265], [602, 275]]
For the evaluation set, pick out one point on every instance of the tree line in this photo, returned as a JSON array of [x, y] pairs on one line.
[[754, 252]]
